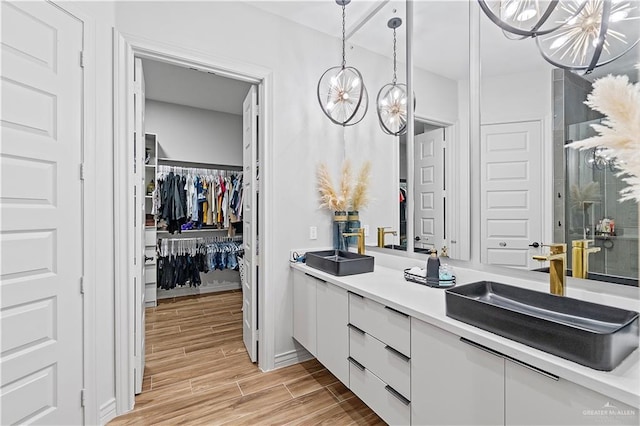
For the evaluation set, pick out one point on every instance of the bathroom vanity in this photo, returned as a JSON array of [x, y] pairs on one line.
[[391, 342]]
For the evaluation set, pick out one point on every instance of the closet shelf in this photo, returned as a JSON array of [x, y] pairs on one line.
[[196, 165]]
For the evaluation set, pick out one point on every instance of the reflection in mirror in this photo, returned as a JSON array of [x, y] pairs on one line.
[[429, 189], [533, 190], [440, 147]]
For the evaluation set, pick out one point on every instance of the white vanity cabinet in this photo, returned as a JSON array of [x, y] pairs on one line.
[[453, 382], [536, 398], [320, 318], [332, 335], [380, 358], [304, 310]]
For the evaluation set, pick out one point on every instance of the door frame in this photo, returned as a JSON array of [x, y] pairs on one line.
[[88, 203], [126, 47]]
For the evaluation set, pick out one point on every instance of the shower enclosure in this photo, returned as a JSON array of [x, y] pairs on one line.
[[586, 188]]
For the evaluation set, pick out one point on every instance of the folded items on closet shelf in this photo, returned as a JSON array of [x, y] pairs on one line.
[[180, 261]]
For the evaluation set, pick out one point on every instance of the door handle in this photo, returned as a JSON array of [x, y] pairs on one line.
[[502, 244], [417, 238], [535, 244], [148, 258]]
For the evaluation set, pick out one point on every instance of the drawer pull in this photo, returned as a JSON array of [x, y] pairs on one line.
[[397, 311], [356, 294], [356, 363], [314, 277], [353, 327], [397, 394], [397, 353], [482, 348], [536, 369]]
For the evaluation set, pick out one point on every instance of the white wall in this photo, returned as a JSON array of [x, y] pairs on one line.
[[302, 137], [516, 97], [194, 134]]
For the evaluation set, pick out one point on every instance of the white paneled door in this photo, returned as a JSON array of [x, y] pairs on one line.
[[429, 172], [249, 219], [41, 207], [138, 224], [511, 196]]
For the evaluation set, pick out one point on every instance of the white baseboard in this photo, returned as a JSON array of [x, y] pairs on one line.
[[295, 356], [108, 411]]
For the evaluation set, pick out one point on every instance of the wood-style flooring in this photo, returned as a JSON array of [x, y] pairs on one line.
[[198, 372]]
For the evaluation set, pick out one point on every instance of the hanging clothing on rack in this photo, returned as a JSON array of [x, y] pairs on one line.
[[180, 261], [204, 197]]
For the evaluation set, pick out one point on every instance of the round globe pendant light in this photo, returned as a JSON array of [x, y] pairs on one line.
[[391, 103], [530, 18], [341, 91], [601, 32]]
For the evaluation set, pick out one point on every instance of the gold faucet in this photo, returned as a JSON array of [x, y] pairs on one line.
[[360, 235], [382, 233], [557, 267], [580, 252]]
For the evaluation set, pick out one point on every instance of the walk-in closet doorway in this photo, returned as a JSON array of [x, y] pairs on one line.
[[191, 118]]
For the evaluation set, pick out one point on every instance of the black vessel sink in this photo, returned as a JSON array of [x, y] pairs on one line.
[[590, 334], [340, 263]]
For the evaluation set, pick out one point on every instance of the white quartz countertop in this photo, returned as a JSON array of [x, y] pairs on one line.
[[387, 286]]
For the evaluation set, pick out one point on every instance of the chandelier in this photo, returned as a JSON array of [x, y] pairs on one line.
[[341, 91]]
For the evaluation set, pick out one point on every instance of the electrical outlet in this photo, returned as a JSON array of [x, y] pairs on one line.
[[313, 232], [366, 230]]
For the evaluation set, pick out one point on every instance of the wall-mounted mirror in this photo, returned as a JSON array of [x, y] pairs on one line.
[[433, 185], [533, 191]]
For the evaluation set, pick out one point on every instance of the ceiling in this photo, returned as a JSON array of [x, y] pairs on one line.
[[193, 88], [440, 45]]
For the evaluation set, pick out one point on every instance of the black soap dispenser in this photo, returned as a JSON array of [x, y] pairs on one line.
[[433, 267]]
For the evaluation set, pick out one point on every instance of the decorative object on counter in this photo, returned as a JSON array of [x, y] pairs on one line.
[[353, 225], [336, 201], [391, 102], [433, 265], [341, 91], [419, 275], [619, 133]]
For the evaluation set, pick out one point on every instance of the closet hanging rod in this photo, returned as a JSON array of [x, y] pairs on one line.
[[195, 165]]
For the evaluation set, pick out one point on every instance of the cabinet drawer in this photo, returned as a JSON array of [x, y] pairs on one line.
[[150, 256], [150, 293], [385, 362], [385, 324], [150, 237], [380, 397], [150, 274]]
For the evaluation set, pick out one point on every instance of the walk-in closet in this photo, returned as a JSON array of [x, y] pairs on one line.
[[197, 186]]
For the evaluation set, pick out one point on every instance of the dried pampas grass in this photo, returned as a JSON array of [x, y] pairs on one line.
[[619, 133], [329, 197], [360, 196]]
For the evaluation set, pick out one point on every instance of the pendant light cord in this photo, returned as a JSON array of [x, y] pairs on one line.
[[394, 58], [344, 61]]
